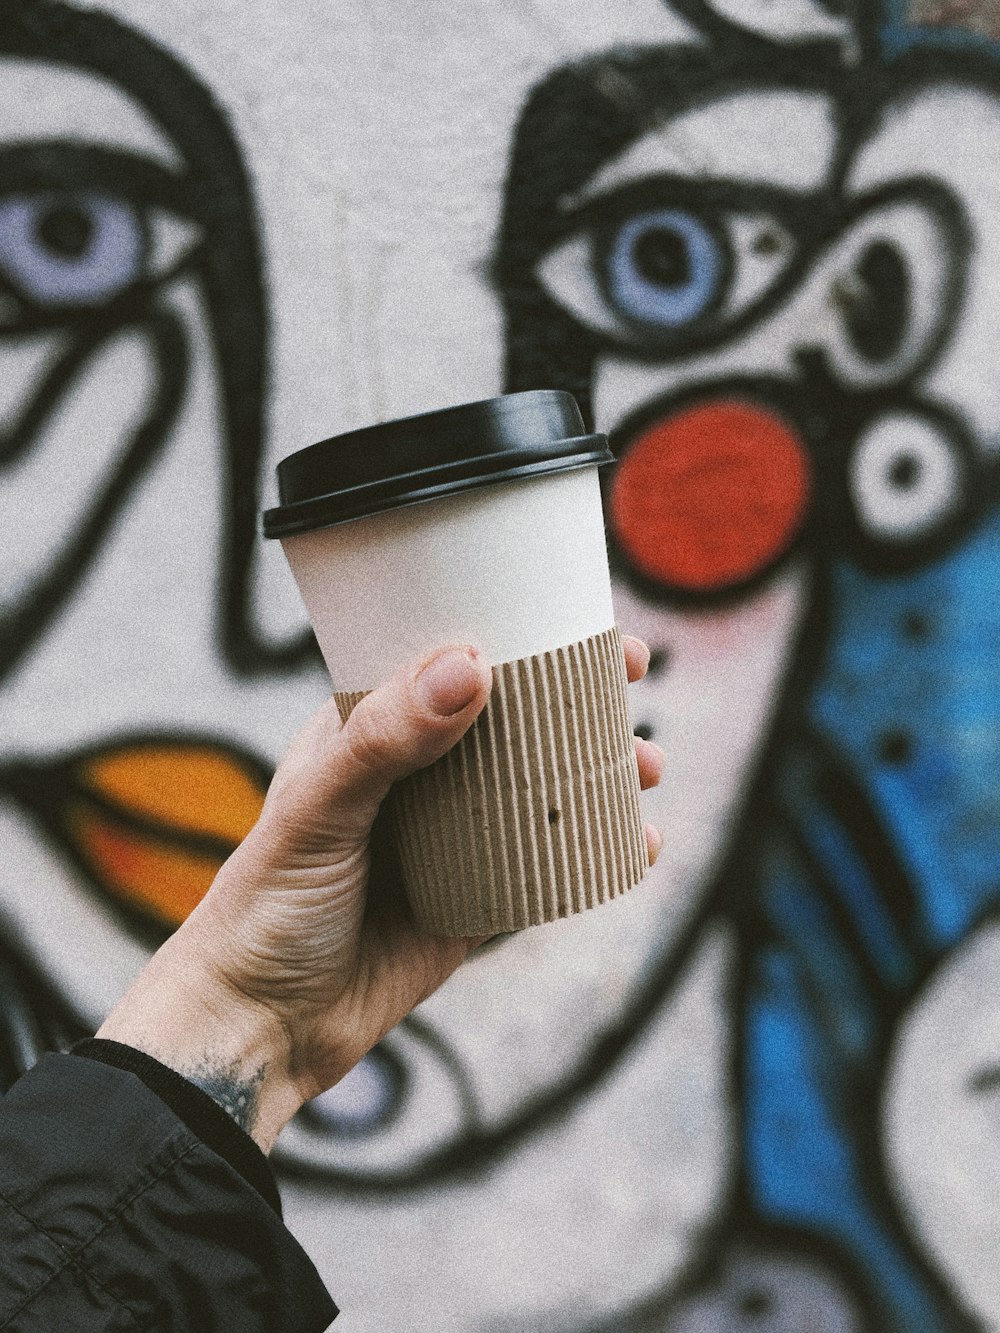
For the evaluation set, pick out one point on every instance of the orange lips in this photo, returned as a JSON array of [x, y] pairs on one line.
[[152, 820]]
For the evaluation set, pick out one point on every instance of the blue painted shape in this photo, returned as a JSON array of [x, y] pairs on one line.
[[804, 1133], [845, 1006], [104, 253], [940, 807], [670, 304], [897, 35], [828, 840], [858, 896]]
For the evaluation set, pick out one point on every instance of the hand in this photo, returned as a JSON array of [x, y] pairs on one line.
[[302, 955]]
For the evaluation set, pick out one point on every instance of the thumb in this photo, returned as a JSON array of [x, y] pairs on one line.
[[341, 774], [410, 721]]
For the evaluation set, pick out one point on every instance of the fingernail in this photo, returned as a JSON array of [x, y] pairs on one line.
[[657, 753], [654, 842], [641, 645], [450, 682]]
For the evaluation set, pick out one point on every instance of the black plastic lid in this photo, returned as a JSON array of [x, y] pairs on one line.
[[429, 456]]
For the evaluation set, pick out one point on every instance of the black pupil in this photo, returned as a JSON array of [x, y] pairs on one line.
[[661, 256], [879, 319], [905, 472], [65, 230]]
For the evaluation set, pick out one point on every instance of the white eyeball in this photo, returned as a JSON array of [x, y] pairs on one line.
[[905, 478], [397, 1108]]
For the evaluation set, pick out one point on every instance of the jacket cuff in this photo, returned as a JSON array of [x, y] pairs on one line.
[[204, 1117]]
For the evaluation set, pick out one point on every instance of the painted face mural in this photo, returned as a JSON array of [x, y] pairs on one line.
[[760, 243], [128, 262], [768, 277]]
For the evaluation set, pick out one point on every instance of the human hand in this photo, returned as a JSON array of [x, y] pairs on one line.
[[303, 955]]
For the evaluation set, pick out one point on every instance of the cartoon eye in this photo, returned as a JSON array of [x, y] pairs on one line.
[[365, 1100], [405, 1102], [662, 272], [80, 249], [664, 268], [906, 478], [892, 283]]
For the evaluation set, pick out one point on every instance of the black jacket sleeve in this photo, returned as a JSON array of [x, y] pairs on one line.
[[115, 1214]]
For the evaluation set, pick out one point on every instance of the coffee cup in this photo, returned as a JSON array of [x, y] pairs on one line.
[[481, 524]]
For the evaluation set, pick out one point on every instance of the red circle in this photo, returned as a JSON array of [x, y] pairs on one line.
[[711, 497]]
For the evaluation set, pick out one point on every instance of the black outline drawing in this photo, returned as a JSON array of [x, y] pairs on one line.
[[605, 104], [212, 191], [577, 119]]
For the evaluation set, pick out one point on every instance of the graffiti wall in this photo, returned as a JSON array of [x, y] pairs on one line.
[[760, 241]]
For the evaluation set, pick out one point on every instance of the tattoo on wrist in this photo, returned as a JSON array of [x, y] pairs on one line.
[[236, 1090]]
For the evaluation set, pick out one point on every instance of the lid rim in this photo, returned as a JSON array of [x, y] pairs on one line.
[[313, 514], [398, 462], [523, 403]]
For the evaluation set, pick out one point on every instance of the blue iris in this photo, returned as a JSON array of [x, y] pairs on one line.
[[664, 267], [80, 249]]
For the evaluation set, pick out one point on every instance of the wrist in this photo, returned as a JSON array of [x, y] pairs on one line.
[[232, 1048]]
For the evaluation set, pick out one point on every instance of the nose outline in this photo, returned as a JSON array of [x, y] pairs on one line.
[[26, 621], [781, 397]]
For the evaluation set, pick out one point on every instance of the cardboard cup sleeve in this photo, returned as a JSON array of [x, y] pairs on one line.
[[535, 814]]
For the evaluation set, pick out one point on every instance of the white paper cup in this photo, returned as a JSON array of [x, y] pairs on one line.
[[484, 527]]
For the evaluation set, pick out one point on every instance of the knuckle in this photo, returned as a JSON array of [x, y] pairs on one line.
[[368, 746]]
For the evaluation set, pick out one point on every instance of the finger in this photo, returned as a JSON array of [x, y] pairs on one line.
[[650, 759], [408, 723], [343, 773], [654, 843], [636, 657]]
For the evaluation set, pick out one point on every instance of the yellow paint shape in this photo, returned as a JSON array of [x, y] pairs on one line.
[[162, 881], [191, 788]]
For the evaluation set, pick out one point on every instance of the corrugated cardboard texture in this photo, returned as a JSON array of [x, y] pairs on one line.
[[535, 814]]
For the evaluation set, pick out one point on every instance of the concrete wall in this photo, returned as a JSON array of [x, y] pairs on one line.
[[760, 242]]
